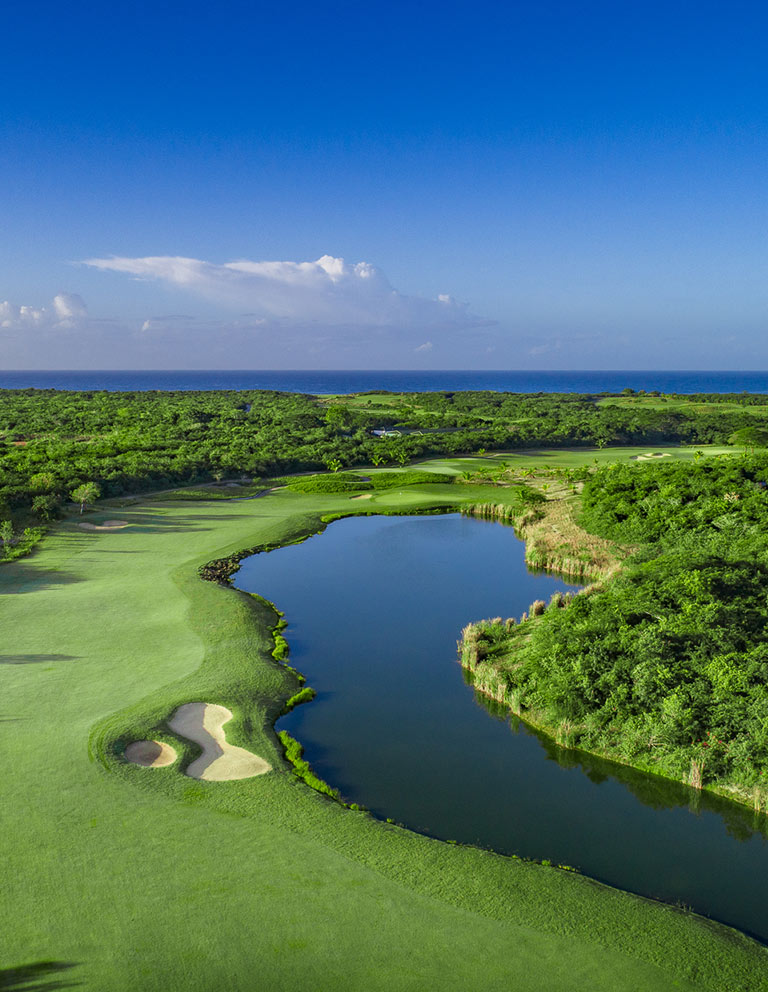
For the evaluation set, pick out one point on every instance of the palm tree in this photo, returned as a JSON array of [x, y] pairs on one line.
[[88, 492]]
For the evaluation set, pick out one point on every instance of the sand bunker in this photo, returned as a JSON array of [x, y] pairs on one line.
[[219, 762], [363, 496], [653, 454], [106, 525], [150, 754]]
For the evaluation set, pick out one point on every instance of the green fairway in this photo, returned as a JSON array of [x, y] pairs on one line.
[[569, 457], [681, 404], [144, 879]]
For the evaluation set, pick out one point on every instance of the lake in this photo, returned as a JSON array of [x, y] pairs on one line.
[[375, 606]]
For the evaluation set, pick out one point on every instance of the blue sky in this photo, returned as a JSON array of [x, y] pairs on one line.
[[549, 185]]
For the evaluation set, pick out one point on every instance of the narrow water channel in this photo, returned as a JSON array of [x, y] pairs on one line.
[[375, 606]]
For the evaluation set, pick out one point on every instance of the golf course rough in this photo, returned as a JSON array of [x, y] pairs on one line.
[[258, 882]]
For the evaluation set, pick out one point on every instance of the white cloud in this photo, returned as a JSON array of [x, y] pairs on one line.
[[65, 311], [329, 291], [326, 313], [69, 306]]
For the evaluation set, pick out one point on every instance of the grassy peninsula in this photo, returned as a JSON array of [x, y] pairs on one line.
[[663, 664]]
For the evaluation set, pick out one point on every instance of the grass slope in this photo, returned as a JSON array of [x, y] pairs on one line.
[[145, 879]]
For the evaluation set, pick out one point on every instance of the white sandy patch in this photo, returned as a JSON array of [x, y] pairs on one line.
[[150, 754], [652, 454], [220, 762], [362, 496], [106, 525]]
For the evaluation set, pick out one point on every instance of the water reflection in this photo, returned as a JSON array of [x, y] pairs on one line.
[[740, 822], [374, 607]]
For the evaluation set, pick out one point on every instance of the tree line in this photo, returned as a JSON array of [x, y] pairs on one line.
[[52, 442]]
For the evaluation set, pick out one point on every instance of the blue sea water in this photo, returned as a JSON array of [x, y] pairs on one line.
[[408, 381]]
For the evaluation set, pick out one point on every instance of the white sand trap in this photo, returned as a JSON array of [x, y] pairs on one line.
[[363, 496], [150, 754], [653, 454], [106, 525], [220, 762]]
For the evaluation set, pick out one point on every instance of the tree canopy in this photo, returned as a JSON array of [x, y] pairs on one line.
[[53, 441], [665, 666]]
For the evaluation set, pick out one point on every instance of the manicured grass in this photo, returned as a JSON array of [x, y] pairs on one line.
[[671, 405], [372, 402], [144, 879], [567, 457]]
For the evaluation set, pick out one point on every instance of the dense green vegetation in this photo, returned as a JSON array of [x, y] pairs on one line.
[[133, 878], [52, 443], [666, 665]]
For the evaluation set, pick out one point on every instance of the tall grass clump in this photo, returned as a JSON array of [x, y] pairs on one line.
[[294, 753], [521, 507], [504, 512], [483, 639], [302, 769], [305, 695]]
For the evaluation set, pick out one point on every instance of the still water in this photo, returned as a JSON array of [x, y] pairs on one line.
[[375, 606]]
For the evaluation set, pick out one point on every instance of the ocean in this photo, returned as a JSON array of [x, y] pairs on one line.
[[408, 381]]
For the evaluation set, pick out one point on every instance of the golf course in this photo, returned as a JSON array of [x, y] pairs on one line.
[[146, 875], [383, 497]]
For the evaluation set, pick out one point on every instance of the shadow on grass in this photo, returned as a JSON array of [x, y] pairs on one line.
[[148, 524], [189, 520], [138, 522], [32, 659], [115, 551], [38, 977], [35, 581]]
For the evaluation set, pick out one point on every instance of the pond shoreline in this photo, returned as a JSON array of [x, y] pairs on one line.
[[237, 670], [485, 681], [384, 809]]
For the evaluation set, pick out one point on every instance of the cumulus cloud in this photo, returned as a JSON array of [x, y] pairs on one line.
[[328, 292], [327, 313], [66, 310]]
